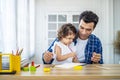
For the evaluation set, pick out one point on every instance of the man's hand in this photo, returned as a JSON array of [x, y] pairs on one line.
[[96, 57], [48, 56]]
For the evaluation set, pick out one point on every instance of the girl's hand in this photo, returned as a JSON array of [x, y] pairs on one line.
[[72, 54], [75, 59]]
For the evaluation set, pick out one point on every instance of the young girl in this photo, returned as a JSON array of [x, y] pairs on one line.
[[64, 49]]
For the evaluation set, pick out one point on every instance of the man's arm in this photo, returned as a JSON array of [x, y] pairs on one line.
[[97, 56], [47, 57]]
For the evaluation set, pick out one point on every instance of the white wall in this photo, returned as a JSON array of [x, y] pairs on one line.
[[104, 29]]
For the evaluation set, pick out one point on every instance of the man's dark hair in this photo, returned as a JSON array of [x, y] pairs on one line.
[[89, 16]]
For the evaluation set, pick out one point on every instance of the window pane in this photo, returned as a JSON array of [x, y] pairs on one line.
[[60, 24], [51, 34], [52, 18], [62, 18], [52, 26], [50, 41], [75, 18]]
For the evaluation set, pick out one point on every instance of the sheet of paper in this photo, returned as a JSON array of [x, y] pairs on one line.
[[68, 65]]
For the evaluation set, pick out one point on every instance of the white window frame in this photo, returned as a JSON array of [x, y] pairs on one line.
[[69, 20]]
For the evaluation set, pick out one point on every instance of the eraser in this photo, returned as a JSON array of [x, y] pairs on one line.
[[25, 68], [46, 69], [78, 68], [32, 68]]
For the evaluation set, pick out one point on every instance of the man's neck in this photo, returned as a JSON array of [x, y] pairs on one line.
[[82, 39]]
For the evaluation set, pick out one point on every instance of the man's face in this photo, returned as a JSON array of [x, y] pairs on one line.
[[85, 29]]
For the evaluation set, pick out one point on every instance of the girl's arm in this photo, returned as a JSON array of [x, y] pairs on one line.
[[60, 57]]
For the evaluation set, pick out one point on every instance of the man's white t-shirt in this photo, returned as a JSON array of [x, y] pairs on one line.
[[80, 49]]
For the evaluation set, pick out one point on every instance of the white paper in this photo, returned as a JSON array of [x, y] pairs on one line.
[[68, 65]]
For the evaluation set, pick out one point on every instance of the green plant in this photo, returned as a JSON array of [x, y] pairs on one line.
[[117, 41]]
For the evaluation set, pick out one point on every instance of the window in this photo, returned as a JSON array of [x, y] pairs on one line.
[[56, 20]]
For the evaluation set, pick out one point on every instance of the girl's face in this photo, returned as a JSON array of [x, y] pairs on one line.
[[68, 39]]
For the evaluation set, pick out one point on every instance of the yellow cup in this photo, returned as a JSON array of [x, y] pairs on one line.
[[17, 63]]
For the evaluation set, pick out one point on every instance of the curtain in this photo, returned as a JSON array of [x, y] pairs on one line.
[[17, 27]]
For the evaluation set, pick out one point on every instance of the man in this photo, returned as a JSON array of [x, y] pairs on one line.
[[89, 47]]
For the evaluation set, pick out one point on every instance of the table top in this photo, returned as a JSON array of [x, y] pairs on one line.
[[90, 71]]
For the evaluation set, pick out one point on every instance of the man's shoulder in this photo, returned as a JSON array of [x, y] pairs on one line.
[[94, 40], [92, 36]]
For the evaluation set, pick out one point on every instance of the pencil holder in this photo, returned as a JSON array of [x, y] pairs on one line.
[[17, 63]]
